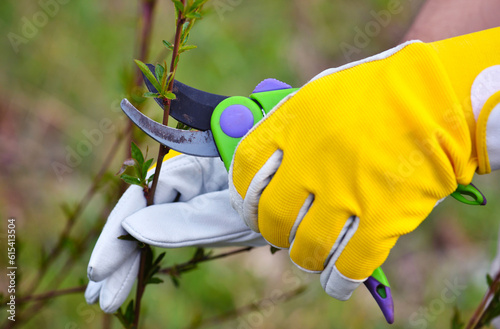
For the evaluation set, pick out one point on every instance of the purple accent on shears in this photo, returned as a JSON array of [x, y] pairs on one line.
[[236, 120], [270, 84], [386, 304]]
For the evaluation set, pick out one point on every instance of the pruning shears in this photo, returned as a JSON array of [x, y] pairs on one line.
[[221, 121]]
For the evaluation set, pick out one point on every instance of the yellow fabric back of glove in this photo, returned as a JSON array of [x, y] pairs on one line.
[[383, 140]]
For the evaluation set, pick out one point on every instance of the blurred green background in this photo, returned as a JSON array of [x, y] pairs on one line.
[[67, 75]]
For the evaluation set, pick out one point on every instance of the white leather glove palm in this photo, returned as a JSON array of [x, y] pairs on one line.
[[202, 216]]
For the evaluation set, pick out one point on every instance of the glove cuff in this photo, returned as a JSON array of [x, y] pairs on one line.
[[485, 101], [471, 62], [488, 135]]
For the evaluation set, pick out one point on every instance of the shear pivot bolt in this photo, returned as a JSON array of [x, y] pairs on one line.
[[236, 120]]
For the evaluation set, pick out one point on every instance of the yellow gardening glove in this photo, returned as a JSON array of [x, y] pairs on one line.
[[362, 153]]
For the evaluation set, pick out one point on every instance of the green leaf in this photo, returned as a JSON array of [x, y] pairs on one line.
[[456, 322], [175, 281], [182, 126], [119, 315], [67, 209], [168, 44], [136, 154], [147, 73], [127, 237], [166, 78], [159, 258], [145, 167], [159, 71], [150, 179], [169, 95], [489, 280], [43, 256], [196, 5], [150, 94], [186, 48], [170, 77], [274, 250], [178, 6], [199, 254], [127, 163], [186, 27], [176, 60], [131, 179], [194, 15], [154, 280], [70, 244], [129, 313]]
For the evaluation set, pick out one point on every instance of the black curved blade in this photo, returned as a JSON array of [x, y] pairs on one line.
[[199, 143], [192, 107]]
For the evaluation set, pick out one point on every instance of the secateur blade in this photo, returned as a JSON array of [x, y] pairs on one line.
[[199, 143], [192, 107]]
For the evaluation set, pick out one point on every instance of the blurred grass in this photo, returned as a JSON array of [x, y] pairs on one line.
[[69, 77]]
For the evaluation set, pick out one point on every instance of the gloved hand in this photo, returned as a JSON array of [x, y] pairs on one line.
[[362, 153], [202, 217]]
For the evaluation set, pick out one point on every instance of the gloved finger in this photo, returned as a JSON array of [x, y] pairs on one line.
[[110, 252], [355, 259], [185, 177], [333, 282], [182, 176], [319, 233], [94, 289], [109, 291], [280, 206], [336, 284], [117, 286], [207, 220], [92, 292], [247, 205]]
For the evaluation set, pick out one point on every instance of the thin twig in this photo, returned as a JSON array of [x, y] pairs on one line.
[[141, 286], [178, 268], [106, 320], [72, 219], [51, 294], [481, 309], [255, 306], [163, 150], [145, 37], [30, 312]]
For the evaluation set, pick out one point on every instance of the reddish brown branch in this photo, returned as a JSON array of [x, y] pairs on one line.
[[176, 269], [81, 246], [481, 309], [163, 150], [255, 306], [72, 219], [148, 6], [51, 294]]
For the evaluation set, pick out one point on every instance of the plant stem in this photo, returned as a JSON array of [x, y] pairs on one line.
[[183, 267], [81, 247], [476, 318], [255, 306], [141, 286], [72, 219], [163, 150], [147, 8], [52, 294]]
